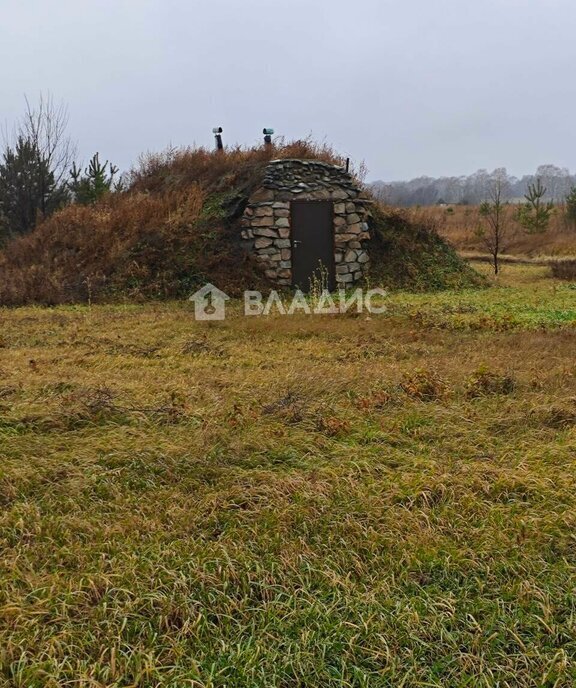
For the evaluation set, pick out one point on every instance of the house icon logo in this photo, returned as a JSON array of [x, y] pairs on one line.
[[209, 303]]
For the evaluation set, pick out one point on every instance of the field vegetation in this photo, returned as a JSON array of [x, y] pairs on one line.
[[291, 501], [459, 225]]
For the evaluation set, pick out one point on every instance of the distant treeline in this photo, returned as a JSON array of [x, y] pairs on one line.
[[475, 188]]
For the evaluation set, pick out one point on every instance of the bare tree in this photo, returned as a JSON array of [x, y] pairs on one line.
[[45, 127], [494, 212]]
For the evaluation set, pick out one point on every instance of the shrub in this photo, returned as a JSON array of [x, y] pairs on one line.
[[564, 269], [484, 382], [424, 385]]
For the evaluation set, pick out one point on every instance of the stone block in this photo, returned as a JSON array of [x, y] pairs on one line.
[[352, 267], [286, 254], [262, 195], [345, 278], [262, 222], [285, 273], [350, 256], [264, 232], [353, 219], [285, 264], [282, 222], [355, 228], [263, 211], [281, 213], [358, 275], [262, 242], [354, 244], [282, 243], [342, 269], [281, 205], [271, 274], [339, 195], [363, 257], [350, 207], [284, 232], [340, 208]]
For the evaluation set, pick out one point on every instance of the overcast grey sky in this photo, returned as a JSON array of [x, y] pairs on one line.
[[411, 87]]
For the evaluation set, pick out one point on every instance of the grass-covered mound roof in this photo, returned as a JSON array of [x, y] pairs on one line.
[[176, 227]]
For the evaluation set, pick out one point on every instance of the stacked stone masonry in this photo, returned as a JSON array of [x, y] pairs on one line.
[[266, 220]]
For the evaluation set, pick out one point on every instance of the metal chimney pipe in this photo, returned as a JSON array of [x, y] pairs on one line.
[[267, 136], [217, 131]]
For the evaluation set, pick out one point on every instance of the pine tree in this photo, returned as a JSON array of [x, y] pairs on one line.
[[96, 181], [571, 206], [535, 214], [28, 190]]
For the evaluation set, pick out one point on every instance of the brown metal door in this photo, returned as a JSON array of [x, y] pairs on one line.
[[312, 233]]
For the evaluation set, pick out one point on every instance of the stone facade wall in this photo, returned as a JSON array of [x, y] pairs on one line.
[[266, 220]]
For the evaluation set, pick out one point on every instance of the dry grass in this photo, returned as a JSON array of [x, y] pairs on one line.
[[82, 250], [178, 227], [304, 501], [458, 225], [233, 168], [173, 228]]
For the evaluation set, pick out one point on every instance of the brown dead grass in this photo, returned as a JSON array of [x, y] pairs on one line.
[[83, 249], [177, 227], [171, 230], [168, 231], [458, 225], [233, 168]]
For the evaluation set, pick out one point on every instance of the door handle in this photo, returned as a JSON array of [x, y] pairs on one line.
[[296, 243]]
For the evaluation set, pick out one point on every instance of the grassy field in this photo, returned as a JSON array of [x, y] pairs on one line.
[[291, 501]]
